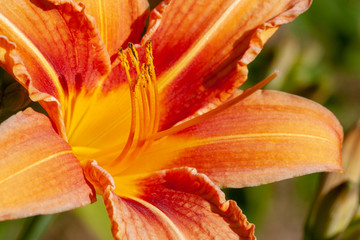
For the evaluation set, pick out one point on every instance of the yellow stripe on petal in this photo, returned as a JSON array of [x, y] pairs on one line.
[[38, 172], [119, 22], [266, 137], [10, 29], [202, 49], [198, 46], [171, 201], [162, 216], [33, 165]]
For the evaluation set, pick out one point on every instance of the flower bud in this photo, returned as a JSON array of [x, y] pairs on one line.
[[338, 197], [353, 231], [14, 97]]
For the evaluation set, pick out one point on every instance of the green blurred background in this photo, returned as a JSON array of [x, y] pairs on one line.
[[318, 56]]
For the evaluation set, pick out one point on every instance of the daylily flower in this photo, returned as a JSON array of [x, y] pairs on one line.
[[158, 127]]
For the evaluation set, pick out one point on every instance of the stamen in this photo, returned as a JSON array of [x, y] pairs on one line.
[[125, 64], [144, 116], [151, 70], [157, 107], [149, 59], [246, 93], [150, 93], [144, 106]]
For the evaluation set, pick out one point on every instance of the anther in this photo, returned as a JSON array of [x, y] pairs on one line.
[[123, 60], [134, 57], [149, 60], [133, 51]]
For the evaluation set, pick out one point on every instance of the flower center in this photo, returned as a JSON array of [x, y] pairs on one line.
[[144, 99], [144, 105]]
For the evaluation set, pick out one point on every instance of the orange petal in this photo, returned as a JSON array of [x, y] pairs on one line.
[[38, 172], [201, 49], [56, 42], [119, 21], [12, 62], [176, 204], [267, 137]]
